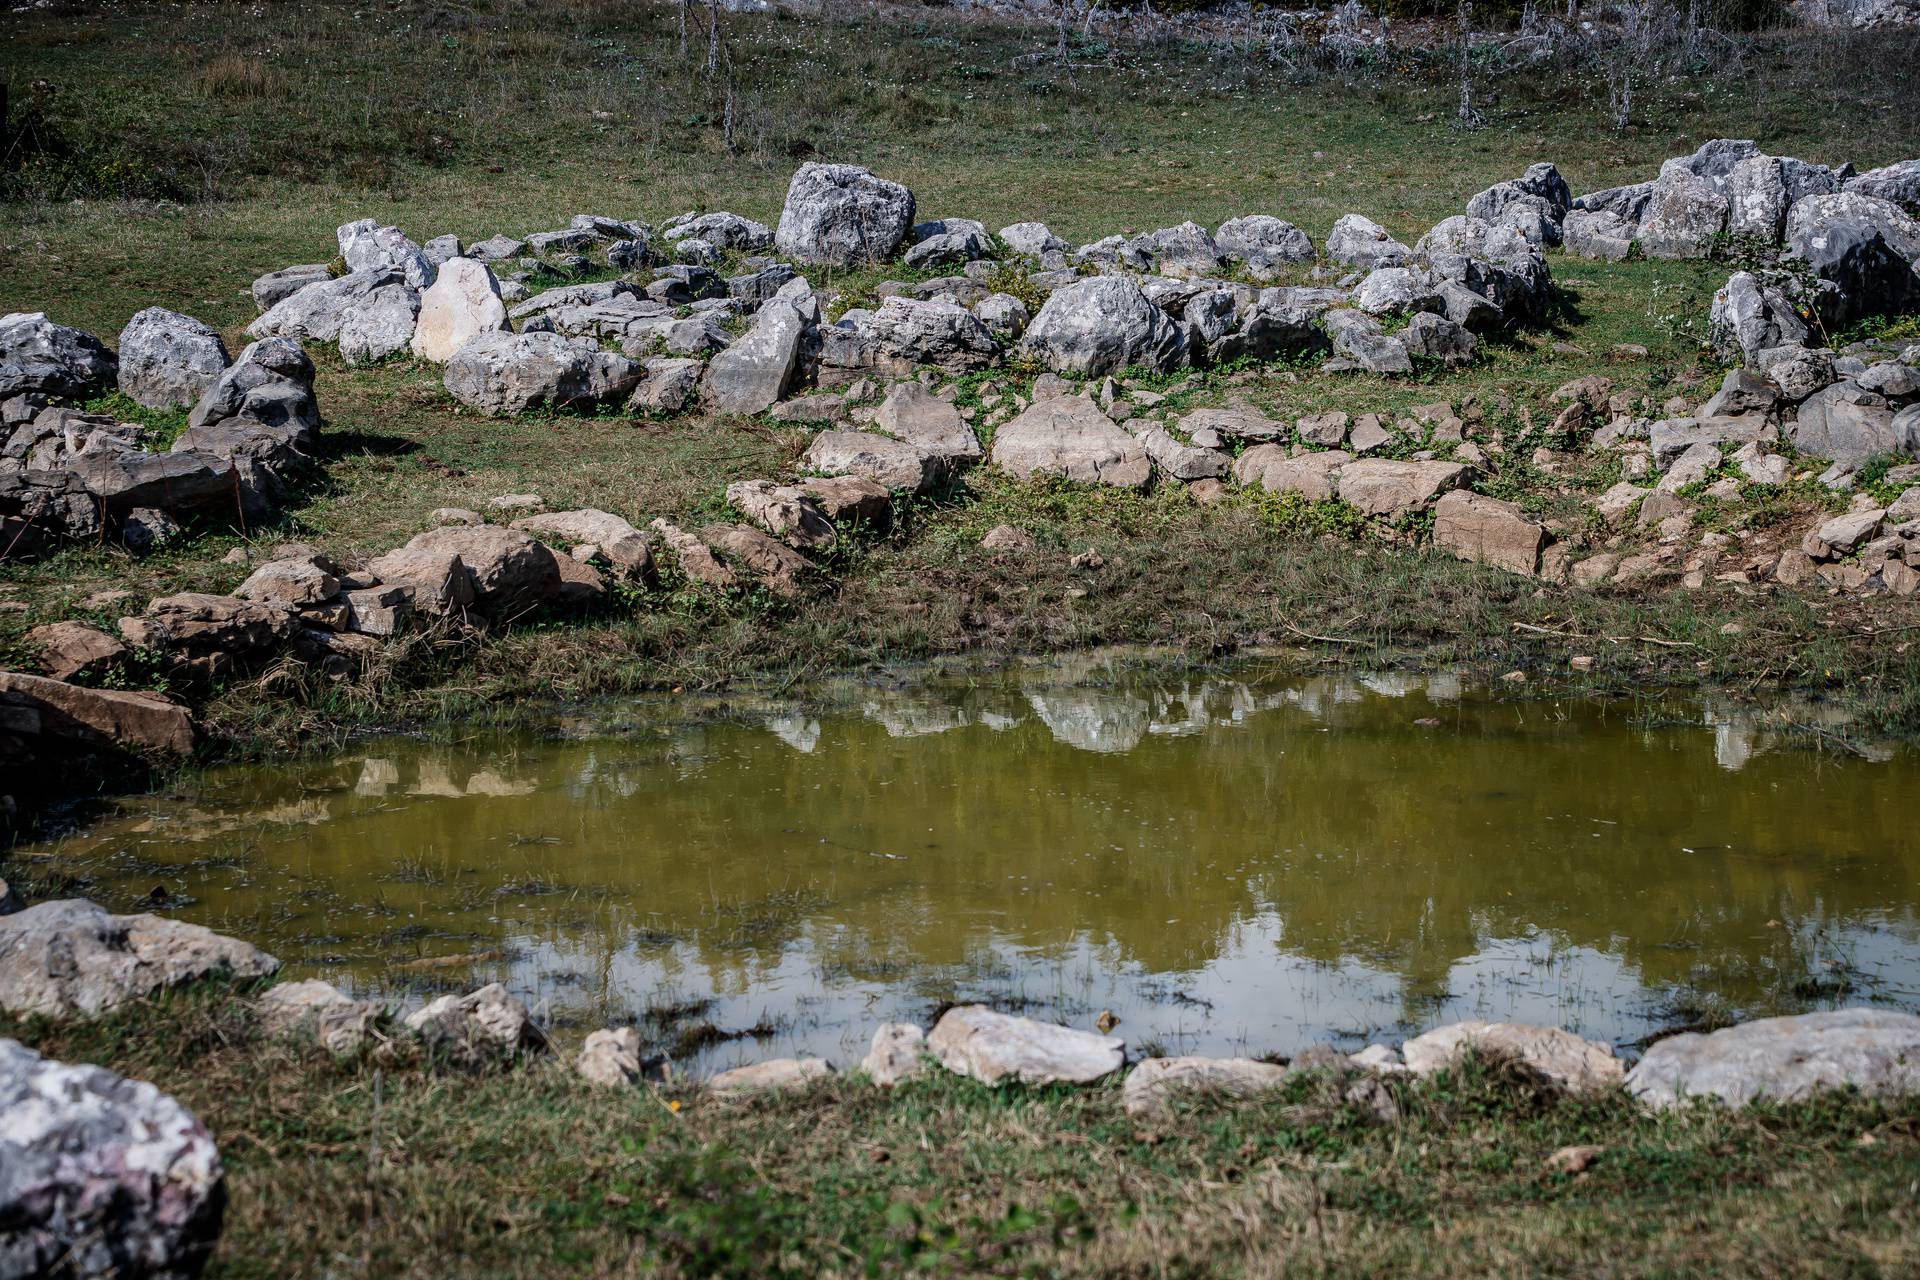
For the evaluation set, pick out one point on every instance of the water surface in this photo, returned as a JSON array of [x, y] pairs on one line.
[[1254, 861]]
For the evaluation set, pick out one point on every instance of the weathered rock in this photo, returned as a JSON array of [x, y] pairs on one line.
[[624, 546], [379, 325], [667, 387], [462, 301], [881, 459], [696, 559], [39, 357], [277, 286], [850, 500], [1234, 422], [1362, 242], [777, 1073], [1494, 262], [1898, 184], [1032, 239], [1396, 291], [1866, 248], [914, 414], [365, 245], [69, 649], [1180, 460], [1692, 467], [788, 512], [1102, 325], [1757, 198], [115, 719], [1487, 530], [1068, 436], [898, 1054], [1748, 318], [1742, 391], [946, 249], [1180, 252], [974, 1041], [1564, 1060], [907, 333], [167, 360], [777, 566], [1360, 344], [71, 959], [1876, 1051], [1597, 234], [1005, 538], [1845, 423], [101, 1175], [296, 581], [1151, 1086], [1438, 338], [1314, 476], [754, 373], [1265, 243], [318, 312], [502, 573], [502, 373], [208, 637], [1671, 437], [1389, 488], [727, 230], [611, 1057], [841, 215], [319, 1012], [487, 1025]]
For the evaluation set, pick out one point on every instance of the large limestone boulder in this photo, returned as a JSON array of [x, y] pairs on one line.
[[1390, 488], [1866, 248], [841, 215], [463, 300], [913, 332], [1266, 244], [754, 374], [1150, 1088], [1749, 317], [487, 1025], [41, 357], [1496, 263], [365, 245], [1361, 242], [1102, 325], [1845, 423], [1068, 436], [71, 959], [892, 463], [318, 312], [898, 1054], [379, 325], [499, 575], [1684, 215], [502, 373], [1898, 184], [169, 361], [276, 286], [1561, 1058], [114, 719], [1876, 1051], [101, 1175], [914, 414], [1314, 476], [1475, 527], [993, 1048]]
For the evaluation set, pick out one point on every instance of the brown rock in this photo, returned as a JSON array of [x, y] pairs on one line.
[[69, 649], [115, 718], [296, 581], [695, 557], [1475, 527], [1385, 487], [625, 547], [210, 637], [1006, 538], [788, 512], [508, 574], [851, 500], [1312, 475], [778, 567]]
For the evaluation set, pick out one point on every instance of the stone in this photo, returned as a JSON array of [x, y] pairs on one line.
[[70, 959], [1032, 239], [1573, 1160], [1843, 533], [1489, 531], [696, 559], [1362, 242], [1068, 436], [1266, 244], [914, 414], [776, 1073], [1368, 436], [502, 574], [1235, 422], [622, 545], [1876, 1051], [1396, 291], [787, 512], [379, 325], [1671, 437], [101, 1175], [1438, 338], [114, 719], [1364, 346], [1101, 326], [486, 1025], [726, 230], [1757, 199], [319, 1012], [841, 215], [1684, 215], [1898, 184], [610, 1057], [1181, 252], [69, 649], [1845, 423], [1007, 538], [1748, 318], [1742, 391], [367, 246], [501, 373], [1597, 234], [1761, 467], [667, 385], [1150, 1087], [1003, 314], [462, 301], [167, 360], [948, 249], [754, 373], [1495, 263], [319, 311], [207, 637], [377, 611], [276, 286], [1866, 248], [1564, 1060], [1692, 467], [881, 459], [39, 357], [993, 1048], [898, 1054], [912, 333], [777, 566], [1180, 460], [1388, 488], [1314, 476], [295, 581], [1325, 430]]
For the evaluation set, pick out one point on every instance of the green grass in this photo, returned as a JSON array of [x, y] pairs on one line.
[[387, 1165]]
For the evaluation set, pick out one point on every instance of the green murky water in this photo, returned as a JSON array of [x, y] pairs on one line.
[[1246, 862]]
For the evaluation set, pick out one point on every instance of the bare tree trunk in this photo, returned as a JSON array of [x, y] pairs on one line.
[[713, 37], [1060, 47], [683, 30]]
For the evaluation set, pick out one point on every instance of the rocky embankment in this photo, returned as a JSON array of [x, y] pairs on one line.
[[118, 1176], [1026, 353]]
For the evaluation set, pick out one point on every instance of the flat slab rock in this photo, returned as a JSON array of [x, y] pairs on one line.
[[778, 1073], [993, 1048], [1150, 1086], [100, 1175], [1876, 1051], [1565, 1060], [72, 959]]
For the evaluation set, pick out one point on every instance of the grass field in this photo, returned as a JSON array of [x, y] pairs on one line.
[[395, 1168], [185, 150]]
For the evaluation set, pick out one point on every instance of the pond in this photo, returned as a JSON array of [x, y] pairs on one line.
[[1243, 860]]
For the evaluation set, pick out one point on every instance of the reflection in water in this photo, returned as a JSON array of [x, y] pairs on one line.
[[1254, 863]]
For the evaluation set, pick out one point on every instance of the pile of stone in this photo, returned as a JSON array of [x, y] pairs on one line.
[[66, 474]]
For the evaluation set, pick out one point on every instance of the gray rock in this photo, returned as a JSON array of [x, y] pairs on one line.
[[71, 959], [1748, 317], [167, 360], [841, 215], [1438, 338], [276, 286], [1032, 239], [898, 1054], [502, 373], [1757, 199], [892, 463], [1497, 263], [462, 301], [1876, 1051], [486, 1025], [912, 332], [367, 246], [1684, 215], [1397, 291], [1389, 488], [1897, 184], [726, 230], [572, 295], [442, 249], [1266, 244], [1844, 422], [1181, 252], [488, 573], [1183, 461], [1561, 1058], [1627, 202], [1103, 325], [774, 1074], [379, 325], [753, 289], [1798, 371], [1068, 436], [993, 1048], [1598, 234], [1867, 248], [1742, 391], [497, 249], [753, 374], [667, 387], [914, 414], [39, 357], [321, 1013], [949, 249], [1671, 437], [1358, 339], [788, 512], [317, 312], [1003, 314], [1362, 242], [101, 1175]]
